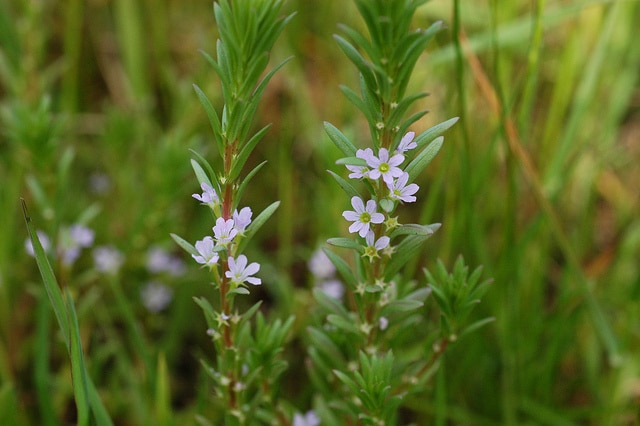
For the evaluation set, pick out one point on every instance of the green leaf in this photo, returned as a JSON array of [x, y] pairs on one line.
[[403, 253], [358, 60], [401, 305], [49, 279], [339, 139], [329, 303], [352, 161], [257, 224], [433, 132], [475, 326], [213, 117], [424, 158], [239, 290], [356, 100], [246, 150], [210, 176], [325, 346], [247, 116], [345, 243], [342, 267], [345, 185], [207, 309], [185, 245], [415, 229], [401, 109], [343, 323], [246, 181], [78, 368]]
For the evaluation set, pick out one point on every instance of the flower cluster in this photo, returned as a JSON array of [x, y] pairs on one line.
[[224, 242], [394, 187]]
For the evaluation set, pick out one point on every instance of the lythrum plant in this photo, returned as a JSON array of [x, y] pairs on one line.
[[246, 364], [376, 347]]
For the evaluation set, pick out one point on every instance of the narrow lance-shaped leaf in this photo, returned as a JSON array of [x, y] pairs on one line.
[[185, 245], [246, 181], [213, 117], [78, 367], [342, 268], [49, 279], [424, 158], [356, 100], [204, 177], [340, 140], [345, 243], [352, 161], [433, 132], [403, 253], [415, 229], [345, 185], [257, 224], [245, 151]]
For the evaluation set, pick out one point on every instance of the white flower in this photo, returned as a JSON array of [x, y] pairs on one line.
[[156, 297], [384, 166], [73, 240], [207, 254], [362, 217], [360, 171], [399, 190], [159, 260], [406, 143], [320, 265], [209, 195], [383, 322], [332, 288], [224, 231], [239, 272], [242, 219], [372, 248], [308, 419], [108, 259]]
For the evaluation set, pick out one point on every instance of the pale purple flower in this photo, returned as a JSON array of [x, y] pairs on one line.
[[406, 143], [242, 219], [379, 244], [81, 236], [372, 248], [362, 217], [208, 196], [239, 272], [207, 255], [155, 296], [360, 171], [384, 166], [44, 241], [159, 260], [99, 183], [108, 259], [332, 288], [224, 231], [384, 323], [399, 190], [308, 419], [320, 265], [73, 240]]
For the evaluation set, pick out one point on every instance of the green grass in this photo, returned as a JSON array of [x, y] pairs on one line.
[[538, 182]]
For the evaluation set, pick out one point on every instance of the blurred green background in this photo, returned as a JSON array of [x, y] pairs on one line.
[[539, 182]]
